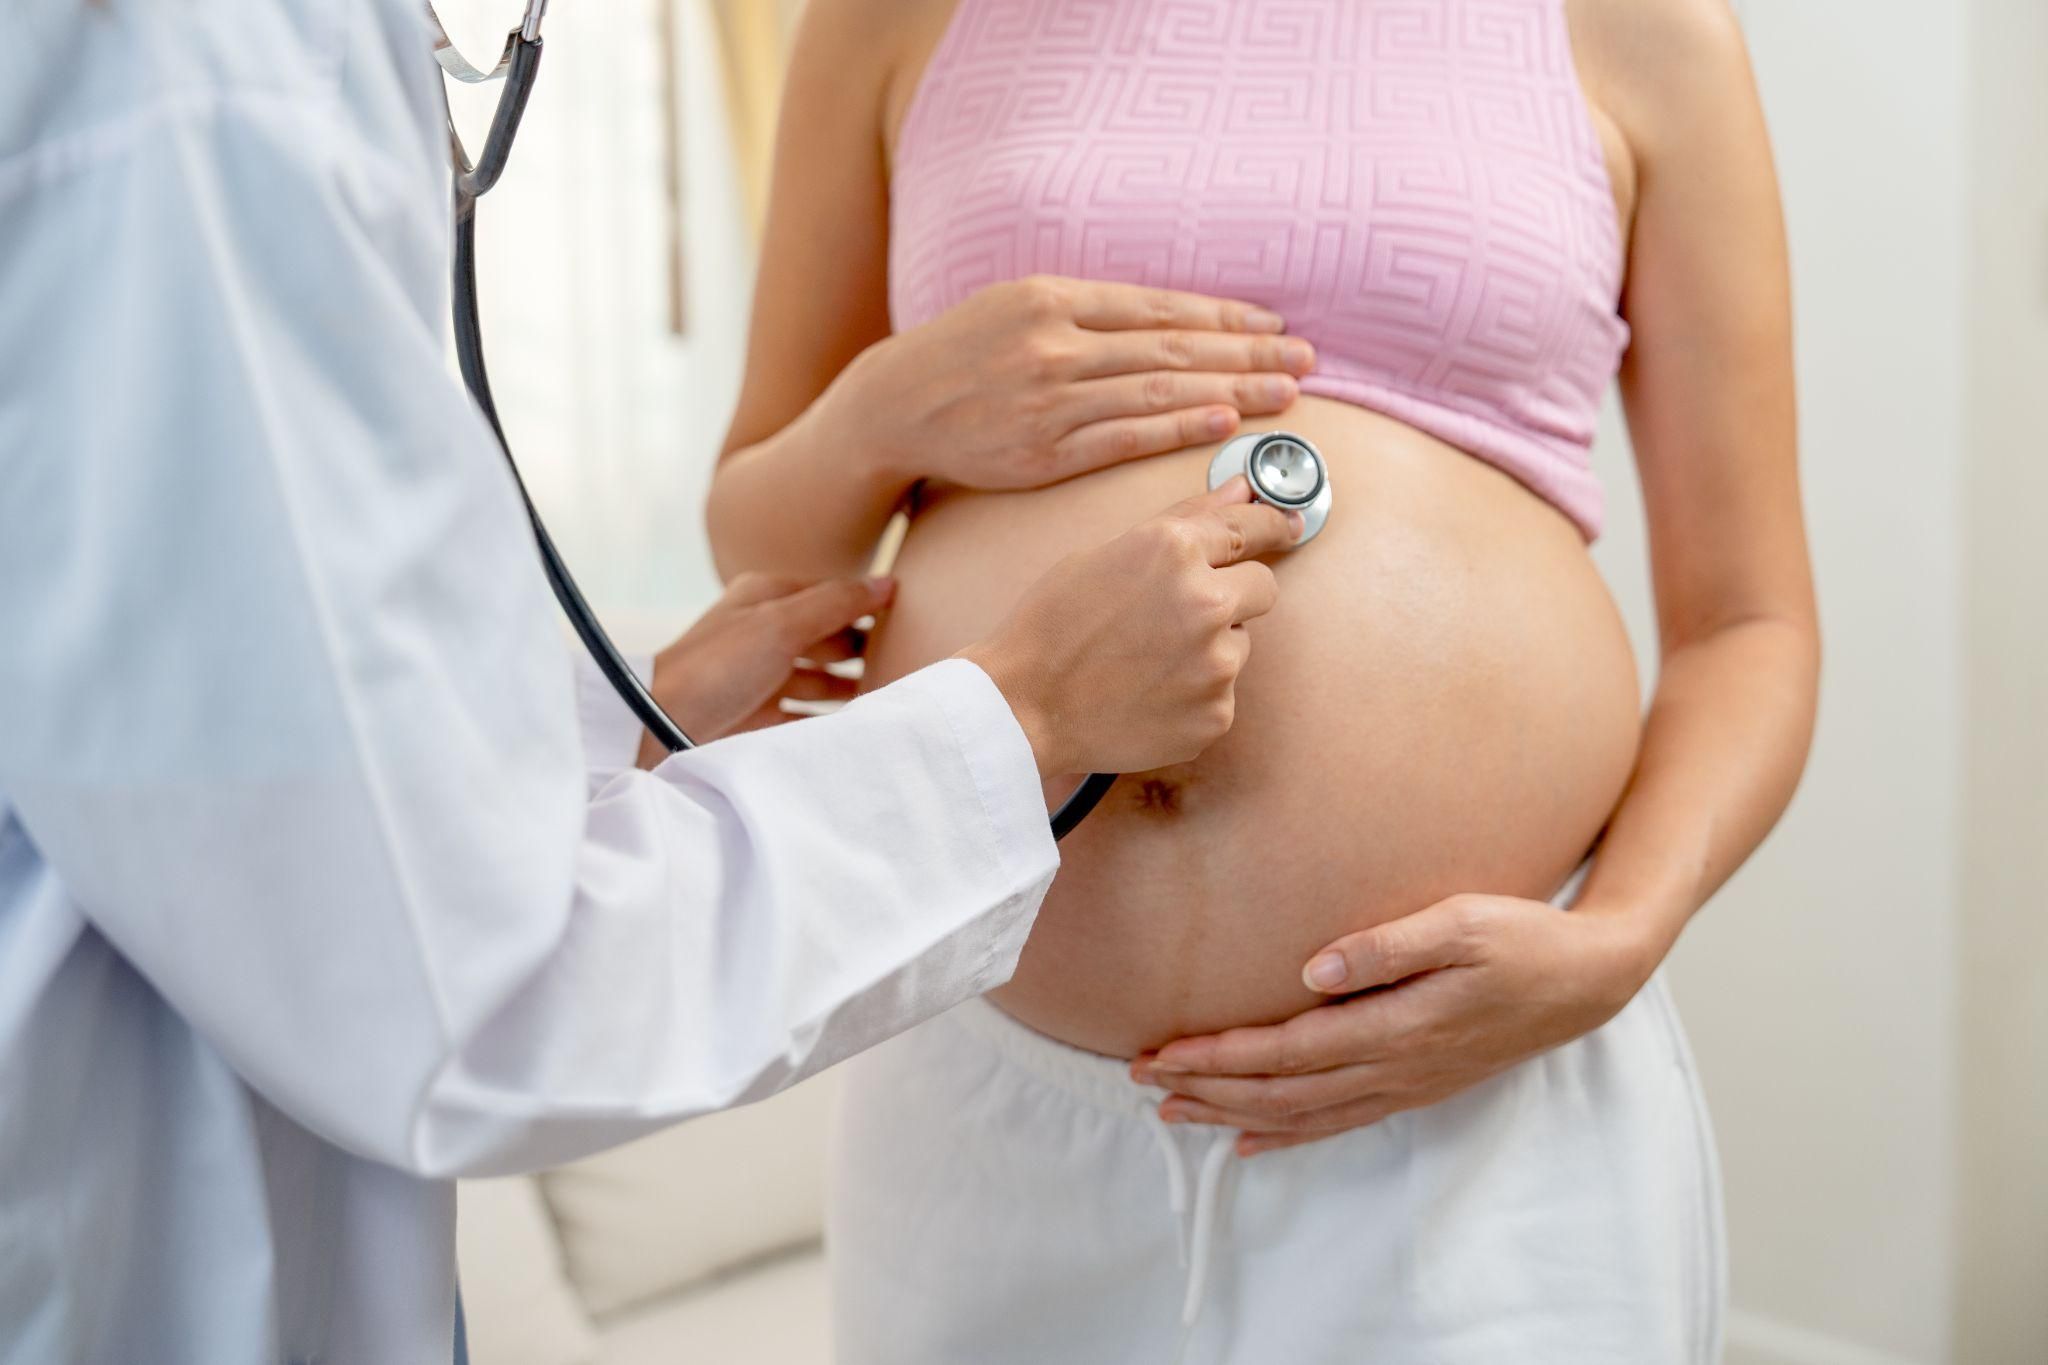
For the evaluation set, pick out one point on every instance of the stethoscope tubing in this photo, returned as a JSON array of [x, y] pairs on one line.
[[519, 66]]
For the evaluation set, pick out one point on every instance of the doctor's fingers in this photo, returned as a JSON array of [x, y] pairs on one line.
[[1253, 589], [806, 617], [809, 685], [1226, 530], [754, 586]]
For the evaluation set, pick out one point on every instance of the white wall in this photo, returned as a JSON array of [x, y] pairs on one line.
[[1825, 986], [2003, 1219], [616, 420]]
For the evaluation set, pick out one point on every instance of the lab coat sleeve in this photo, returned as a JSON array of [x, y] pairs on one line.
[[287, 708], [611, 732]]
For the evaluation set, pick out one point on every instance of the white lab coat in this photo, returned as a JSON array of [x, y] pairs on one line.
[[305, 905]]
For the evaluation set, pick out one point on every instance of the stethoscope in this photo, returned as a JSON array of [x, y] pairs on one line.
[[1283, 469]]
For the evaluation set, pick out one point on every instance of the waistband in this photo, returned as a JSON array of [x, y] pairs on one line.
[[1091, 1077], [1196, 1191]]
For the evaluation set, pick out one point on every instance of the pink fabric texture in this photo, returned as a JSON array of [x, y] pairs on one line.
[[1415, 185]]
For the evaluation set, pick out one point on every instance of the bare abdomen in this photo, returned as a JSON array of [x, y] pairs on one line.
[[1444, 700]]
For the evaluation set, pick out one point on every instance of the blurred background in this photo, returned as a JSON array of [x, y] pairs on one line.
[[1868, 999]]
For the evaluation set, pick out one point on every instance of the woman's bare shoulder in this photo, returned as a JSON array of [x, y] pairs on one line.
[[1656, 64], [884, 30], [873, 45]]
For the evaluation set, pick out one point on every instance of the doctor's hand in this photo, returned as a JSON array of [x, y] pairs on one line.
[[766, 639], [1032, 381], [1430, 1004], [1125, 657]]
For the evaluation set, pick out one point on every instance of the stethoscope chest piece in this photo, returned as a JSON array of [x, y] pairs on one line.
[[1285, 471]]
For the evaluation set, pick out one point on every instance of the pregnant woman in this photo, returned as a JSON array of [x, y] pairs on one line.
[[1037, 258]]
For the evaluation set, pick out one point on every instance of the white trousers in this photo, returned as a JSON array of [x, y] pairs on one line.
[[1000, 1198]]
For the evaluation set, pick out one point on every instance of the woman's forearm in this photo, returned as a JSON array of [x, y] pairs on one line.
[[809, 500], [1722, 751]]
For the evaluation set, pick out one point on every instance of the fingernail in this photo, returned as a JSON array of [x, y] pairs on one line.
[[1325, 973], [1172, 1115], [1221, 422], [880, 588], [1264, 320], [1144, 1075], [1277, 389], [1298, 522], [1300, 356]]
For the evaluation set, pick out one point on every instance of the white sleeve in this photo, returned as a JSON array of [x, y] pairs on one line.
[[611, 732], [287, 710]]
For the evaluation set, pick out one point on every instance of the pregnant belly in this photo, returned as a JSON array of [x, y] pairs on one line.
[[1444, 700]]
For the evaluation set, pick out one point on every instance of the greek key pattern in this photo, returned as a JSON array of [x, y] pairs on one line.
[[1416, 185]]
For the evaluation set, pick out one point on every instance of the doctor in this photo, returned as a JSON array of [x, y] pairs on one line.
[[309, 901]]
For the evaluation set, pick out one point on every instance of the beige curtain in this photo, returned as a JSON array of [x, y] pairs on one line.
[[752, 47], [751, 38]]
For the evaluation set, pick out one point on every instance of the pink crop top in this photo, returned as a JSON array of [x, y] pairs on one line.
[[1415, 185]]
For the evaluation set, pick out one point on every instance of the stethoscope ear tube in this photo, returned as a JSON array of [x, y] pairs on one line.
[[469, 355], [1075, 808], [521, 62]]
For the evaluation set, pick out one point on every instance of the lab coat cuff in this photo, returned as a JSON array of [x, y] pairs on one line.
[[1000, 761], [611, 732]]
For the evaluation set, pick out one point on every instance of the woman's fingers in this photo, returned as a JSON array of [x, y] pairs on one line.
[[1136, 395], [1112, 353], [1333, 1119], [1356, 1031], [1271, 1101], [1129, 438], [1107, 304], [1258, 1144], [1438, 935]]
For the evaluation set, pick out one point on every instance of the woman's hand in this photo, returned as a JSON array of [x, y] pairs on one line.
[[767, 638], [1036, 380], [1437, 1001]]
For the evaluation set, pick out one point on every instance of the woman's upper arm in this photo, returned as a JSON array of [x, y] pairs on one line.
[[1708, 381], [821, 296]]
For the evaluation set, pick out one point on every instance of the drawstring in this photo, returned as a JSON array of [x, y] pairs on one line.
[[1193, 1243], [1176, 1178], [1220, 1148]]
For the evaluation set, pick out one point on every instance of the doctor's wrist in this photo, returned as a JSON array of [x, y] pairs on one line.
[[1022, 687]]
